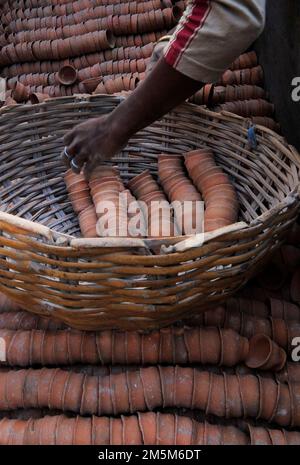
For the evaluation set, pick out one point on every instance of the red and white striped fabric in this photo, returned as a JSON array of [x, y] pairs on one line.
[[212, 34]]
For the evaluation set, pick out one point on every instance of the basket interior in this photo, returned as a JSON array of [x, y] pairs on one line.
[[31, 141]]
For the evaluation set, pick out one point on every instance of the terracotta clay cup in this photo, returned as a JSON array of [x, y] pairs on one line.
[[142, 184], [91, 84], [67, 75], [200, 173], [211, 181], [87, 221], [145, 188], [75, 181], [294, 394], [227, 191], [20, 93], [232, 436], [277, 437], [97, 187], [223, 210], [198, 157], [10, 101], [148, 424], [184, 193], [80, 200], [235, 347], [154, 196], [213, 225], [292, 438], [217, 397], [103, 171], [212, 434], [280, 332], [37, 97], [195, 169], [249, 389], [172, 178], [166, 172], [286, 407], [265, 354], [259, 436], [269, 397]]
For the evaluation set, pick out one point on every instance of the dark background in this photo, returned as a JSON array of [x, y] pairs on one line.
[[279, 54]]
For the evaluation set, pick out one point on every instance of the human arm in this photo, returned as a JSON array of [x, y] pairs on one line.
[[209, 37]]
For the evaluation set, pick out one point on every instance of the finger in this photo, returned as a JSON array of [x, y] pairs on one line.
[[80, 159], [75, 148], [70, 136], [74, 167], [66, 158]]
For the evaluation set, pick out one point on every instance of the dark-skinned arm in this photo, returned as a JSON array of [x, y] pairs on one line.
[[101, 138]]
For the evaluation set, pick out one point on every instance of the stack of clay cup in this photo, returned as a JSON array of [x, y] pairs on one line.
[[106, 187], [186, 200], [156, 206], [218, 193], [79, 194]]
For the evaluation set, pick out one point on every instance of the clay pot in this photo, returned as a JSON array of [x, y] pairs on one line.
[[183, 193], [259, 436], [197, 161], [264, 354], [142, 184], [103, 171], [213, 225], [37, 97], [10, 101], [235, 347], [148, 424], [292, 438], [20, 93], [75, 181], [210, 344], [279, 332], [153, 196], [284, 413], [98, 187], [87, 221], [212, 181], [212, 435], [277, 437], [67, 75], [91, 84], [294, 393], [222, 211], [249, 388], [217, 396], [80, 200]]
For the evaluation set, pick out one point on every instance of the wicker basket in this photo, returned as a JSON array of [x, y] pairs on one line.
[[97, 283]]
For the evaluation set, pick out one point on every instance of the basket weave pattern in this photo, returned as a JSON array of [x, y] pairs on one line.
[[97, 283]]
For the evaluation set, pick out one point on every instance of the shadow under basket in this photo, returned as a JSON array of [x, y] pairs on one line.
[[120, 283]]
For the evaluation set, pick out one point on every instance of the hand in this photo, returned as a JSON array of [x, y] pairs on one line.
[[90, 143]]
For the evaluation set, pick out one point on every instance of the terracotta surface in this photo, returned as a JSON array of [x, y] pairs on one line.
[[67, 75], [195, 345], [221, 203], [249, 395], [265, 354], [142, 429]]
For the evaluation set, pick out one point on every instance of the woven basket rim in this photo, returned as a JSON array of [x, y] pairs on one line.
[[59, 239]]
